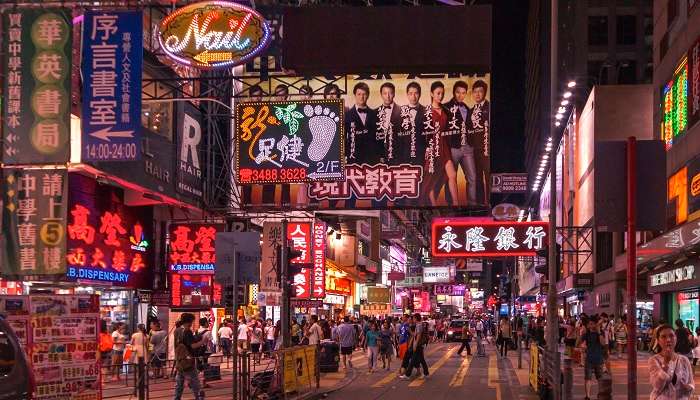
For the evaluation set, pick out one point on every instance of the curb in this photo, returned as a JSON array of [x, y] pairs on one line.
[[350, 376]]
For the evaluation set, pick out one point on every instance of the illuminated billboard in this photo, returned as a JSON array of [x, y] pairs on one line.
[[291, 141], [192, 247], [409, 141], [213, 34], [674, 112], [467, 237]]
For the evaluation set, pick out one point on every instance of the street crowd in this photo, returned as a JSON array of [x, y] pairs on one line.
[[590, 340]]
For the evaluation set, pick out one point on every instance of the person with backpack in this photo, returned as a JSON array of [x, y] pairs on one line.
[[684, 340], [185, 356]]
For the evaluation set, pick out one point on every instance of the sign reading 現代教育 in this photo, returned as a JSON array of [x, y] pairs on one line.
[[37, 83], [112, 61]]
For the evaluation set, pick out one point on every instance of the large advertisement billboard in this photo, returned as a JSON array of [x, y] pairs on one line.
[[409, 141]]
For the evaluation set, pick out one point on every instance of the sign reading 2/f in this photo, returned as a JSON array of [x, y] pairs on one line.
[[290, 141]]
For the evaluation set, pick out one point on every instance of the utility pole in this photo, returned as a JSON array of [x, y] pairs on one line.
[[284, 270], [631, 267], [234, 314], [552, 319]]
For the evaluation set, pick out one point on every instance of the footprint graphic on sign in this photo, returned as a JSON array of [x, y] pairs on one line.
[[322, 124]]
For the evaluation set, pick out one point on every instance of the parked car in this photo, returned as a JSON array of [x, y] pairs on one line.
[[16, 377], [454, 331]]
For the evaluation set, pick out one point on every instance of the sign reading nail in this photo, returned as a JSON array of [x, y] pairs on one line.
[[213, 34]]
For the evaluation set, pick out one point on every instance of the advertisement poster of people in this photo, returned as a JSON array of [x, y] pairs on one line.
[[410, 141]]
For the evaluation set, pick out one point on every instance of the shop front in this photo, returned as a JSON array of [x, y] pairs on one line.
[[450, 298], [575, 290], [676, 290]]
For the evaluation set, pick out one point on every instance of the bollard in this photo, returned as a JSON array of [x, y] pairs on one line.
[[142, 379], [605, 387], [520, 354], [568, 393]]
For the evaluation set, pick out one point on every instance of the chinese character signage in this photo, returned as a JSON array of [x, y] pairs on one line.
[[34, 221], [192, 247], [290, 141], [112, 61], [107, 240], [213, 34], [319, 262], [465, 237], [378, 295], [674, 112], [37, 86], [191, 292], [450, 290], [302, 284], [272, 239], [341, 286], [299, 237], [404, 146]]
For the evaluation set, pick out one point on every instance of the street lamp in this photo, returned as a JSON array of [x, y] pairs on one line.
[[567, 94], [571, 84]]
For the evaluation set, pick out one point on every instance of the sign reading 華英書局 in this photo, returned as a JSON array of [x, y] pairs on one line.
[[112, 61]]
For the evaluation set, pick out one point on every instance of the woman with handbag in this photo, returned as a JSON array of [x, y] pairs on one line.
[[670, 374]]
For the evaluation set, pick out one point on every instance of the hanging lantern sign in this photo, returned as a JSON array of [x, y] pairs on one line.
[[213, 34]]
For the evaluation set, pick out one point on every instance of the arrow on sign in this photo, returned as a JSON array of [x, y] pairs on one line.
[[11, 138], [318, 291], [207, 57], [106, 135], [10, 151], [323, 175]]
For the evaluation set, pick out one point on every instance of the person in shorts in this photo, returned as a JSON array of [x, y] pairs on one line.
[[593, 341], [345, 336]]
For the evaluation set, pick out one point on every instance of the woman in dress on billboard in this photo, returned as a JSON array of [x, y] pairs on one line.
[[438, 159]]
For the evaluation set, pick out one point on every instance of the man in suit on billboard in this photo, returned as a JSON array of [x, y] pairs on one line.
[[389, 122], [461, 148], [478, 130], [410, 142], [363, 143]]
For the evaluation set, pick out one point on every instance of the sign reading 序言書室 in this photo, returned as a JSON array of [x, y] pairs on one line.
[[112, 61]]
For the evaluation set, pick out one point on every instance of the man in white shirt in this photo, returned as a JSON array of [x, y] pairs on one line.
[[243, 335], [225, 338], [315, 332], [270, 335], [479, 338]]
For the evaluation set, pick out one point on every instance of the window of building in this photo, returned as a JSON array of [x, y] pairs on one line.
[[627, 72], [157, 117], [598, 72], [626, 29], [597, 30]]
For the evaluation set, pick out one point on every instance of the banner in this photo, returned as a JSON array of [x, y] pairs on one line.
[[189, 151], [34, 221], [269, 267], [378, 295], [108, 241], [319, 270], [466, 237], [290, 141], [112, 62], [410, 141], [37, 86], [192, 248]]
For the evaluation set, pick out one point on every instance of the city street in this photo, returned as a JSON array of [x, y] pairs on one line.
[[492, 377]]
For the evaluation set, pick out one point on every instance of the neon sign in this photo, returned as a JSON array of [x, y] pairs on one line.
[[213, 34], [674, 111], [192, 248]]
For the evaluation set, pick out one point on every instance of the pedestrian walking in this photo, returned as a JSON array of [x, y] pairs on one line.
[[466, 339], [621, 336], [420, 340], [386, 346], [670, 374], [256, 340], [225, 338], [504, 336], [314, 333], [159, 342], [119, 339], [185, 360], [202, 353], [684, 340], [243, 335], [592, 341], [269, 336], [480, 335], [139, 343], [346, 338], [372, 344], [696, 349], [106, 344]]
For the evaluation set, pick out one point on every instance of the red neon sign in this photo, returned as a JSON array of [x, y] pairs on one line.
[[319, 269], [299, 233], [302, 284], [192, 248], [466, 237]]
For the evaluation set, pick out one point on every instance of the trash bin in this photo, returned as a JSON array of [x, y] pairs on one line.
[[329, 356]]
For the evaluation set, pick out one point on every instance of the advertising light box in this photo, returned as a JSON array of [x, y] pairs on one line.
[[467, 237]]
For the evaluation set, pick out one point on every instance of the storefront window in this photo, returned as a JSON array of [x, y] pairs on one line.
[[688, 309]]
